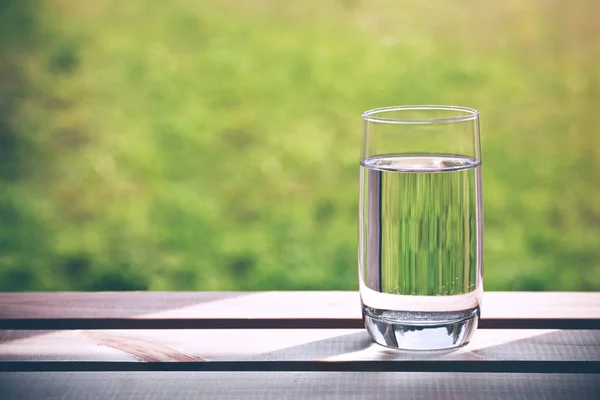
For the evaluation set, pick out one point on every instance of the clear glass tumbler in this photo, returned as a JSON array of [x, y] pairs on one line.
[[421, 226]]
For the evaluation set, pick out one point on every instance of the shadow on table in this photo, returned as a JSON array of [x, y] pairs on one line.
[[561, 345], [102, 305]]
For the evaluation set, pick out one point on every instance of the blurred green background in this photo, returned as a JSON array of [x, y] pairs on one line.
[[213, 145]]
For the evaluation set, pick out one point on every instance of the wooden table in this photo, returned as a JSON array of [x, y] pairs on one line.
[[295, 345]]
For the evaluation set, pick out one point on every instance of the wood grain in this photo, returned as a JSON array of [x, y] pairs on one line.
[[104, 304], [322, 345], [264, 310], [294, 385]]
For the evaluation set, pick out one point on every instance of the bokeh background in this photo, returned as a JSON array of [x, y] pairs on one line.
[[214, 144]]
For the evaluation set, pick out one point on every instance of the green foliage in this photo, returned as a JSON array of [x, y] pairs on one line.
[[214, 145]]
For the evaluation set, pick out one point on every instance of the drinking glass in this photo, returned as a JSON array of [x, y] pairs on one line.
[[421, 226]]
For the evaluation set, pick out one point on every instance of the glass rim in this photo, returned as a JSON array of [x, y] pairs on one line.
[[468, 114]]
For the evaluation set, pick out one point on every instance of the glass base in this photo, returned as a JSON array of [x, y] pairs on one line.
[[420, 330]]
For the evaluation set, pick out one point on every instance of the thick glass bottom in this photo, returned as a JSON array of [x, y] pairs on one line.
[[412, 330]]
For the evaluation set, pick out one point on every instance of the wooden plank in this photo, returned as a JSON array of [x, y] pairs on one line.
[[294, 385], [277, 305], [104, 304], [268, 310], [323, 345]]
